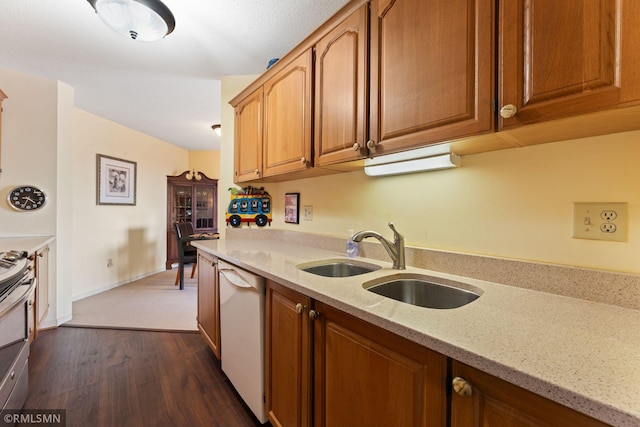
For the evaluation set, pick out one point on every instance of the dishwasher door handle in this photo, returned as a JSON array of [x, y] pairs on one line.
[[235, 279]]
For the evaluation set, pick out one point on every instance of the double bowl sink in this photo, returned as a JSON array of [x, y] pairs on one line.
[[414, 289]]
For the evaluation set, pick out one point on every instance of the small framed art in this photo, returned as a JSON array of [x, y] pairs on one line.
[[292, 208], [115, 181]]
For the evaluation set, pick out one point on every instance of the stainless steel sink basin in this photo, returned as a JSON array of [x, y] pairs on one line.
[[424, 291], [338, 267]]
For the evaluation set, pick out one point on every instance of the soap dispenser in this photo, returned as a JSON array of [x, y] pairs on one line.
[[352, 247]]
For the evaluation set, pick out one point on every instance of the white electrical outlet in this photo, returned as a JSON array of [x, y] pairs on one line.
[[600, 221], [308, 213]]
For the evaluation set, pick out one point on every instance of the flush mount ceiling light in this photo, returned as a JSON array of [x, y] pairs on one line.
[[142, 20], [418, 160]]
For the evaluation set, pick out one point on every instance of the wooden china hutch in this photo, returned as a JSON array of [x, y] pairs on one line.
[[191, 197]]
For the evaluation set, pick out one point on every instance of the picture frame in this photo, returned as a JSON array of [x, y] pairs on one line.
[[292, 208], [116, 181]]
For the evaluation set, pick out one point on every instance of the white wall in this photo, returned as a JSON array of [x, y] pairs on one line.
[[514, 203], [133, 237], [29, 135], [50, 143], [30, 123]]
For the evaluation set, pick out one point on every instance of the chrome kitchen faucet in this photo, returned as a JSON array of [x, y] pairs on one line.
[[395, 249]]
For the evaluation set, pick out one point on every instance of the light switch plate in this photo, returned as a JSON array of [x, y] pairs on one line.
[[600, 221], [307, 213]]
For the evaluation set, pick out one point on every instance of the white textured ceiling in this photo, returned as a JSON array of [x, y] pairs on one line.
[[169, 89]]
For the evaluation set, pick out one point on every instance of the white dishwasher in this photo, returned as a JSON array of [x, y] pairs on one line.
[[242, 296]]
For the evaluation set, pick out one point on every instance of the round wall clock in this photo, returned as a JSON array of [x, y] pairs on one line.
[[26, 198]]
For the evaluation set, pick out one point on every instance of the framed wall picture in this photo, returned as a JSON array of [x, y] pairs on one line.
[[291, 207], [115, 181]]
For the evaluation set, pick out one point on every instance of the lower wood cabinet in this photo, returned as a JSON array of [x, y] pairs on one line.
[[42, 287], [326, 368], [39, 301], [360, 374], [209, 301], [365, 375], [480, 399], [287, 357]]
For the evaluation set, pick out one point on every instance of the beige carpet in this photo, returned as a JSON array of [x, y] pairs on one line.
[[151, 303]]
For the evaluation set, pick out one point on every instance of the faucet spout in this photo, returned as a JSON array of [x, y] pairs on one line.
[[395, 249]]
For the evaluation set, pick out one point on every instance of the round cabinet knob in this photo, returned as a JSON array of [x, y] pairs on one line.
[[462, 387], [508, 111], [356, 147], [303, 160], [257, 171], [299, 308], [371, 144], [313, 315]]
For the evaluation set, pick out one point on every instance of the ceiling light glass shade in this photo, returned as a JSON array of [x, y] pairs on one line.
[[420, 160], [142, 20]]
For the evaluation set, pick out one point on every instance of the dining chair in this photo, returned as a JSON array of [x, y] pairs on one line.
[[187, 254]]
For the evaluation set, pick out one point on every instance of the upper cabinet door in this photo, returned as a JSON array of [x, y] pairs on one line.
[[432, 71], [558, 58], [341, 92], [248, 138], [287, 118]]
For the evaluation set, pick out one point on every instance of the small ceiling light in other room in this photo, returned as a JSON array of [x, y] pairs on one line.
[[217, 129], [142, 20]]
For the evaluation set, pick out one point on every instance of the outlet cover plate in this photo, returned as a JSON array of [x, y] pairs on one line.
[[600, 221]]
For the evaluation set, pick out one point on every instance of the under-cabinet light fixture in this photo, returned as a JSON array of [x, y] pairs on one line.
[[419, 160], [141, 20]]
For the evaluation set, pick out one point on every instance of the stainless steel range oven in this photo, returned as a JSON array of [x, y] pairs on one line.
[[17, 285]]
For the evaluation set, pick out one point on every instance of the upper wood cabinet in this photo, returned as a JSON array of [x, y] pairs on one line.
[[341, 91], [287, 118], [273, 124], [564, 58], [431, 71], [392, 75], [248, 138]]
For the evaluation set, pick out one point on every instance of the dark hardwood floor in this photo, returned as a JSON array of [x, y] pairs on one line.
[[106, 377]]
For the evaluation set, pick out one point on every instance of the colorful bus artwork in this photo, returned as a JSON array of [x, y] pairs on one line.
[[249, 208]]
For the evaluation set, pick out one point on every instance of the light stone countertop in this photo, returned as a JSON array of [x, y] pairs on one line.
[[29, 243], [582, 354]]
